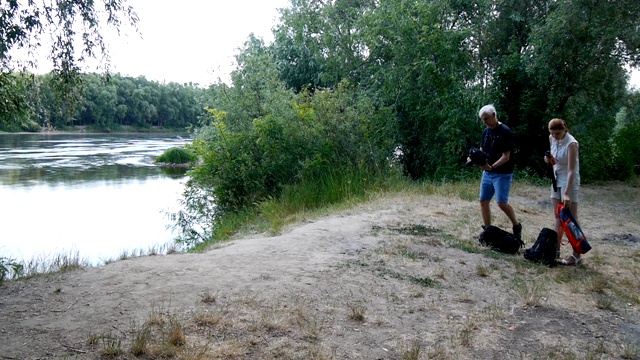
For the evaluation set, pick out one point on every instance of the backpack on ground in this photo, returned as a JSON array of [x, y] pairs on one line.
[[544, 249], [500, 240], [570, 226]]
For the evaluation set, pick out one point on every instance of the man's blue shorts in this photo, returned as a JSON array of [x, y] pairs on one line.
[[498, 184]]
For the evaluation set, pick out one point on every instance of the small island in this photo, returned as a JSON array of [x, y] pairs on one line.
[[177, 157]]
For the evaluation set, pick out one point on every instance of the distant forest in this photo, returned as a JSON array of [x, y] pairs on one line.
[[105, 103]]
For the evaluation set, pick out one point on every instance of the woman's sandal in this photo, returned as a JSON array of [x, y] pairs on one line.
[[576, 260]]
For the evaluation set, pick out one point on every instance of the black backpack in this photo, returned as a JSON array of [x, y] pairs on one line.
[[500, 240], [544, 249]]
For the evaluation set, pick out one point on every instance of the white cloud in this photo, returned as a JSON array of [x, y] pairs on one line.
[[191, 40]]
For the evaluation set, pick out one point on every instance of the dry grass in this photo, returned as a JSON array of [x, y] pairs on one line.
[[209, 297], [427, 289], [247, 326]]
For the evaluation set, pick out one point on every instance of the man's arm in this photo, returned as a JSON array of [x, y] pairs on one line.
[[503, 159]]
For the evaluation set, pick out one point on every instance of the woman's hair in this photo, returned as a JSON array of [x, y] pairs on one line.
[[488, 109], [558, 124]]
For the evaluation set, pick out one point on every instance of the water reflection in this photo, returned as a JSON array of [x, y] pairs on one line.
[[27, 159], [100, 195]]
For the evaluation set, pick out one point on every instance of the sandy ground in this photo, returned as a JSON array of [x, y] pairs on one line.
[[401, 277]]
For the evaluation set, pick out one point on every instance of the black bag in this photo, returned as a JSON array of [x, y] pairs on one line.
[[477, 157], [500, 240], [544, 249]]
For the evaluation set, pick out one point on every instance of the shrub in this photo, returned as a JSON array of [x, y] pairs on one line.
[[176, 155], [9, 268]]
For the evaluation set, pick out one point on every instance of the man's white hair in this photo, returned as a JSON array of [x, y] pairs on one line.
[[489, 110]]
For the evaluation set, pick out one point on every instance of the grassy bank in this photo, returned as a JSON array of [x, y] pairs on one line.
[[332, 192], [423, 287]]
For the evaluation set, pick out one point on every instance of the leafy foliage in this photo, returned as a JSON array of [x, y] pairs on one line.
[[66, 22], [624, 144], [250, 153], [564, 59], [103, 103], [15, 105], [422, 68], [435, 63], [176, 155], [74, 27], [365, 87], [8, 267]]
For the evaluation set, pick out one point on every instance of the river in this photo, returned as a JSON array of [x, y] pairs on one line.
[[99, 196]]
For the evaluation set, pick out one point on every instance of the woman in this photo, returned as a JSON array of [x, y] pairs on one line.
[[566, 166]]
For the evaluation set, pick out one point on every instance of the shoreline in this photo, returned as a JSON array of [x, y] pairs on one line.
[[125, 129]]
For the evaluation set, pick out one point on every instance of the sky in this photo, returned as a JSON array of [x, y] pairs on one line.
[[189, 40], [192, 40], [635, 79], [195, 40]]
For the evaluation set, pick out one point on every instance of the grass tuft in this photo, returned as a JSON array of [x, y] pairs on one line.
[[466, 334], [531, 291], [176, 336], [206, 318], [599, 284], [357, 312], [141, 338], [413, 353], [482, 271], [209, 297], [604, 302], [111, 346]]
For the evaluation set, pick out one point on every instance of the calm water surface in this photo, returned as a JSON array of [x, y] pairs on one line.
[[93, 194]]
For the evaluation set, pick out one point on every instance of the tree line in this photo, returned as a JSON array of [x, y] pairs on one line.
[[104, 103]]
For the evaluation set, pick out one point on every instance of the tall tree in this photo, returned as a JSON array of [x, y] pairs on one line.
[[318, 43], [419, 63], [559, 59], [74, 27]]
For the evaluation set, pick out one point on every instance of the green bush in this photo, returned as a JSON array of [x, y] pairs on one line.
[[309, 139], [9, 268], [625, 145], [309, 135], [176, 155], [31, 126]]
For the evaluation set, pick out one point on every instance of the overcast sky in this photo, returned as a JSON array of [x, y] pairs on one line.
[[193, 40], [189, 40]]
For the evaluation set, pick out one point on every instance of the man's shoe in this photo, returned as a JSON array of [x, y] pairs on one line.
[[517, 231]]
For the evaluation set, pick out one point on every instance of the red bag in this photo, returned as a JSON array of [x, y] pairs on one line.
[[574, 233]]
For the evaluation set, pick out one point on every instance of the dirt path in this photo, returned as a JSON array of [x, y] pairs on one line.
[[399, 278]]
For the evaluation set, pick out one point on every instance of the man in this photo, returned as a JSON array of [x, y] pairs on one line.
[[497, 174]]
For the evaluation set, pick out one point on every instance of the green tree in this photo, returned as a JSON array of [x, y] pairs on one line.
[[49, 109], [420, 64], [259, 137], [624, 140], [73, 25], [318, 43], [565, 59], [15, 107], [298, 47], [98, 104]]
